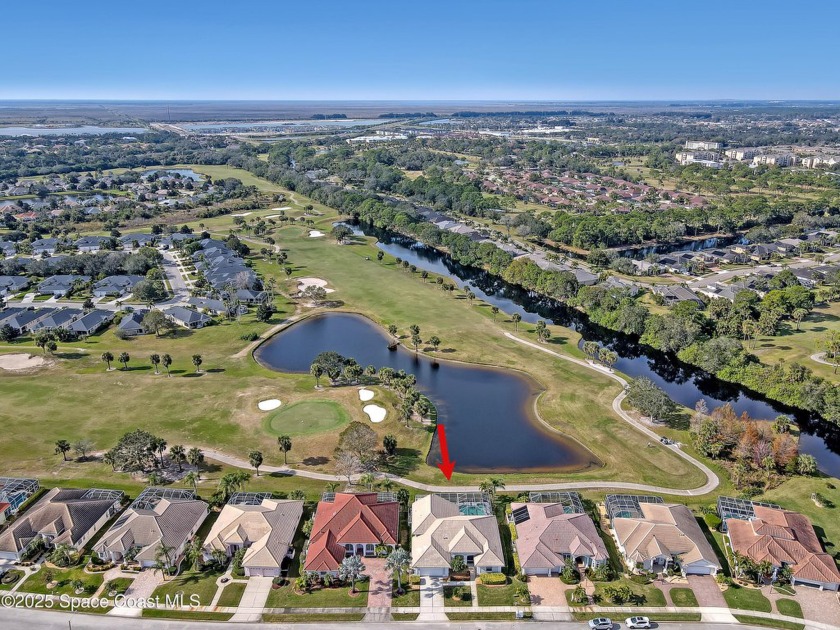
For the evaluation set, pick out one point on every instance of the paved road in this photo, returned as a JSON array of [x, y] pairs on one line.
[[712, 480], [51, 620]]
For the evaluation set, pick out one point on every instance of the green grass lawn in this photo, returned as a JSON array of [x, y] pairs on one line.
[[410, 598], [683, 597], [645, 594], [307, 417], [231, 594], [286, 597], [63, 578], [481, 616], [161, 613], [312, 618], [746, 598], [789, 607], [449, 599], [201, 583], [120, 585], [17, 573], [769, 623]]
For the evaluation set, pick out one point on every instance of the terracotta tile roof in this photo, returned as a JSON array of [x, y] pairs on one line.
[[350, 518], [783, 537]]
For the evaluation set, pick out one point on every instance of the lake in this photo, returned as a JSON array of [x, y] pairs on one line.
[[87, 130], [488, 413], [684, 383], [185, 173]]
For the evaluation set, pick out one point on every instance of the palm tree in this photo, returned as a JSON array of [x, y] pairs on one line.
[[108, 357], [351, 569], [317, 371], [154, 479], [178, 455], [167, 361], [124, 359], [491, 485], [110, 458], [495, 311], [435, 341], [332, 486], [155, 359], [194, 552], [163, 559], [397, 563], [416, 341], [284, 443], [368, 479], [256, 459], [195, 458], [63, 447], [233, 482], [387, 485], [192, 479], [392, 330], [798, 315], [197, 361], [516, 318], [159, 446], [424, 274]]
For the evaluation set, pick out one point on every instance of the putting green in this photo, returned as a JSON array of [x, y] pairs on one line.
[[306, 417]]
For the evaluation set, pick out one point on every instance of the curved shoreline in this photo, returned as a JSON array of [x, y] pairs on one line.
[[712, 480], [589, 460]]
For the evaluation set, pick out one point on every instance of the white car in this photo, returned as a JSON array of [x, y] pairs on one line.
[[637, 622], [601, 623]]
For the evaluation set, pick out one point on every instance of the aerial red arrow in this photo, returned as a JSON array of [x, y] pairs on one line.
[[445, 466]]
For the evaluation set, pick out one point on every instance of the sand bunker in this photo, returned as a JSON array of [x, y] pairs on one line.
[[241, 214], [271, 216], [375, 413], [313, 282], [19, 362], [281, 209], [268, 405], [365, 395], [316, 233]]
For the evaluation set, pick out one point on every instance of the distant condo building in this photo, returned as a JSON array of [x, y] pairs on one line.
[[704, 158], [695, 145], [785, 159], [740, 155]]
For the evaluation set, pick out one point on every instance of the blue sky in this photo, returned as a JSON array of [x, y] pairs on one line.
[[432, 50]]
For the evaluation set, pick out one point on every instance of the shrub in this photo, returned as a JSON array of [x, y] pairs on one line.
[[713, 521], [458, 564], [251, 336], [641, 578], [492, 579], [414, 579]]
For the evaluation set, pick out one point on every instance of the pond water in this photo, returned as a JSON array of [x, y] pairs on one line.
[[219, 127], [86, 130], [685, 384], [186, 173], [488, 413]]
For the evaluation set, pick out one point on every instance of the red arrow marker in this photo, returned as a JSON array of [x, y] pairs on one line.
[[445, 466]]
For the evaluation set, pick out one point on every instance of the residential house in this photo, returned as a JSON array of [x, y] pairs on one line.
[[61, 318], [9, 285], [442, 528], [92, 244], [14, 492], [808, 278], [140, 239], [350, 524], [655, 536], [23, 320], [216, 307], [62, 516], [158, 518], [60, 285], [7, 248], [43, 246], [673, 293], [263, 526], [187, 317], [132, 323], [115, 286], [548, 535], [91, 322], [249, 296], [785, 539]]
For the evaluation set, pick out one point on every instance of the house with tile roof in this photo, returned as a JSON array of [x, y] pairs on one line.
[[441, 530], [62, 516], [347, 525], [186, 317], [547, 536], [264, 527], [157, 517], [785, 539], [664, 534]]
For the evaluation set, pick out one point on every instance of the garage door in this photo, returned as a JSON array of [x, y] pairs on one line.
[[698, 570]]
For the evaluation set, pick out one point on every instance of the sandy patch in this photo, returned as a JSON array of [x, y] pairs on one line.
[[281, 209], [365, 395], [272, 216], [241, 214], [313, 282], [375, 413], [19, 362], [268, 405], [316, 233]]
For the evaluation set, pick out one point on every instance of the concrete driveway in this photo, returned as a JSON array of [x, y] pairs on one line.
[[253, 599]]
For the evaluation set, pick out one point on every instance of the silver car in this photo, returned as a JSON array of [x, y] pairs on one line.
[[637, 622], [601, 623]]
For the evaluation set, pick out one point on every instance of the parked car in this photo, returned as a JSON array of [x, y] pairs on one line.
[[601, 623], [637, 622]]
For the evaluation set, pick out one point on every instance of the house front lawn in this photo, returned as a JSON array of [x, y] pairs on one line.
[[410, 598], [63, 579], [11, 578], [120, 585], [789, 607], [643, 594], [683, 597], [463, 592], [200, 583], [499, 595], [231, 594], [746, 598], [339, 597]]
